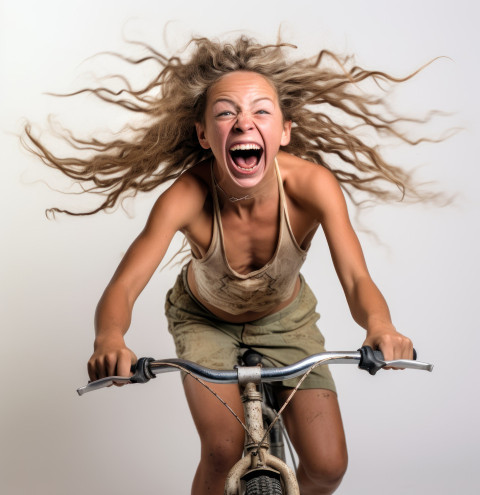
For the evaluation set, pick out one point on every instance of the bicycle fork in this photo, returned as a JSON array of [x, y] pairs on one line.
[[257, 459]]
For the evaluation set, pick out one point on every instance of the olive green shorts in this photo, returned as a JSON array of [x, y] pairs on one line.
[[283, 338]]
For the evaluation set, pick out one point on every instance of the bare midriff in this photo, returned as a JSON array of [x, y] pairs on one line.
[[244, 317]]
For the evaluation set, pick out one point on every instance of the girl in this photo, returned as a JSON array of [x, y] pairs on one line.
[[259, 166]]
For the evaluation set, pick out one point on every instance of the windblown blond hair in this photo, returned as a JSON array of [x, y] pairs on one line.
[[308, 90]]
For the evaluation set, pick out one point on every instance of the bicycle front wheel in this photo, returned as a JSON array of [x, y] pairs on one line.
[[263, 484]]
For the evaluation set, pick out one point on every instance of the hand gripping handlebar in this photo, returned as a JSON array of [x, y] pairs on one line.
[[147, 368], [372, 361]]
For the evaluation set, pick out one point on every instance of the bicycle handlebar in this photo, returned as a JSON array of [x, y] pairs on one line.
[[147, 368]]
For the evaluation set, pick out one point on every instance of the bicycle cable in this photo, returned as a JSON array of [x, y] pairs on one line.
[[278, 413], [289, 398], [199, 380]]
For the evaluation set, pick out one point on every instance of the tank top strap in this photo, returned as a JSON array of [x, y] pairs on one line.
[[214, 242], [282, 207], [216, 204], [217, 235], [280, 186], [285, 219]]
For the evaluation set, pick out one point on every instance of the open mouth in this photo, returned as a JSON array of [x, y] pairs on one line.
[[246, 156]]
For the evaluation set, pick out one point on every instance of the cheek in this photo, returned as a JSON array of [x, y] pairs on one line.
[[220, 131], [273, 134]]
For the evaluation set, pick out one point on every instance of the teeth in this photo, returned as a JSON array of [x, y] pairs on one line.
[[247, 169], [238, 147]]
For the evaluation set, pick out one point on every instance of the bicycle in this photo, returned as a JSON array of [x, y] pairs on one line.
[[258, 472]]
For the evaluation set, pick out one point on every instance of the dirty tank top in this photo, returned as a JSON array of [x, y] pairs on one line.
[[262, 289]]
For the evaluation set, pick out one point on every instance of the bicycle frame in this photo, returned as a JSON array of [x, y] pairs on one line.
[[257, 457]]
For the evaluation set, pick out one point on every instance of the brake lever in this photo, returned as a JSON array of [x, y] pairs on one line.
[[103, 382], [409, 364], [141, 374]]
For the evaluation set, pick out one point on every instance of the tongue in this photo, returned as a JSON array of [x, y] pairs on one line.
[[246, 161]]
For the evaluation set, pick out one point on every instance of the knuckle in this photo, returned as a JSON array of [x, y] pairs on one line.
[[110, 359]]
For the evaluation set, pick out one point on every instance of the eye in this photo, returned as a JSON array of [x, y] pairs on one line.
[[262, 112], [225, 113]]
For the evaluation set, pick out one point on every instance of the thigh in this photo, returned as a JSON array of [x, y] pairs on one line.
[[314, 425], [218, 429], [205, 344]]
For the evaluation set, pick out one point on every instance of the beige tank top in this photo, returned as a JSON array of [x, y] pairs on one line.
[[221, 286]]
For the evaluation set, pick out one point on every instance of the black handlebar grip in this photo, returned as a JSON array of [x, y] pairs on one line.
[[141, 371], [372, 361]]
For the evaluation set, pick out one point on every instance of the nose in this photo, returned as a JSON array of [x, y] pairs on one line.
[[243, 123]]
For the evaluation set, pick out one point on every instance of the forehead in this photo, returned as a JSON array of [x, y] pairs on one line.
[[242, 83]]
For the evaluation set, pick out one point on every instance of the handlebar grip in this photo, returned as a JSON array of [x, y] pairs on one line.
[[141, 371], [370, 360], [373, 360]]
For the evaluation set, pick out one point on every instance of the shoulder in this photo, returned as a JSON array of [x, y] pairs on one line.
[[195, 180], [185, 198], [311, 186]]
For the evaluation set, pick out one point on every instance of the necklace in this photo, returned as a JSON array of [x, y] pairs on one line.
[[232, 199]]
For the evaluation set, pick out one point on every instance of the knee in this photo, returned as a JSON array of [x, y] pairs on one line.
[[326, 473], [220, 455]]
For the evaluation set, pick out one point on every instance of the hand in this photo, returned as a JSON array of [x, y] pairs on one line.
[[393, 344], [110, 358]]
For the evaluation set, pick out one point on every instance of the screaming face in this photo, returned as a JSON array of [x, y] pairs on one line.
[[244, 128]]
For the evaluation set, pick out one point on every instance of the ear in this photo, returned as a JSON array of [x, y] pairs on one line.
[[202, 138], [287, 128]]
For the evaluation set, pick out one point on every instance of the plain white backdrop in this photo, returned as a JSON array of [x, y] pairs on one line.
[[408, 432]]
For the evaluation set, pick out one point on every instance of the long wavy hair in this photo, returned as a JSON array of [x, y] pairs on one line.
[[324, 96]]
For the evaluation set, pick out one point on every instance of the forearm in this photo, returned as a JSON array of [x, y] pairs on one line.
[[113, 314], [368, 306], [369, 309], [112, 319]]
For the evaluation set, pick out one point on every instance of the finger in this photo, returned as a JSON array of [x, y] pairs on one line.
[[399, 347], [410, 349], [404, 348], [123, 365], [396, 353], [110, 364], [92, 374], [99, 368], [387, 349]]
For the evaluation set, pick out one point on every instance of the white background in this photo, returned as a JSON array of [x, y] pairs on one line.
[[408, 432]]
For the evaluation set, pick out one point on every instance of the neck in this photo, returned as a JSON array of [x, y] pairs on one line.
[[261, 191]]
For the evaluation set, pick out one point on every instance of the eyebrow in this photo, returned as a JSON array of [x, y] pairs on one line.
[[227, 100]]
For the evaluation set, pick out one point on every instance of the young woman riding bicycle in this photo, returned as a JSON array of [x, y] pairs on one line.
[[258, 161]]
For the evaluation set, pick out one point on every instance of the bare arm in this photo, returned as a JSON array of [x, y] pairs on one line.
[[175, 210], [367, 305]]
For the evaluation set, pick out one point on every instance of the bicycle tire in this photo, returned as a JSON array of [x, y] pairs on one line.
[[263, 484]]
